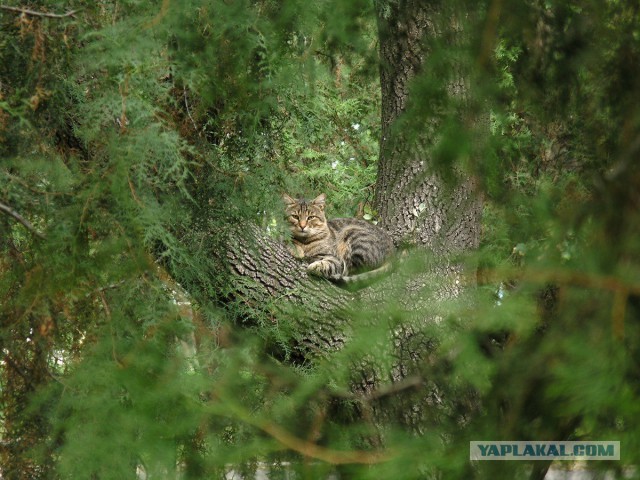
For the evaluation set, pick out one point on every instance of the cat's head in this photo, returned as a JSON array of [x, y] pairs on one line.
[[306, 218]]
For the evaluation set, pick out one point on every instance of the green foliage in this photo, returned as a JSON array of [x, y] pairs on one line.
[[135, 136]]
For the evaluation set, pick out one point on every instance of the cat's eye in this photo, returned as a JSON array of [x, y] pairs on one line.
[[311, 217], [294, 217]]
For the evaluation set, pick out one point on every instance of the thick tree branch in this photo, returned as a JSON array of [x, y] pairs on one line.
[[271, 282], [321, 319], [414, 204]]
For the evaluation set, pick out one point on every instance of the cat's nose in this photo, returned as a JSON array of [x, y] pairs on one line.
[[303, 225]]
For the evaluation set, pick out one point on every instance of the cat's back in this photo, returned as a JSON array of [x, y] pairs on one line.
[[366, 244], [339, 224]]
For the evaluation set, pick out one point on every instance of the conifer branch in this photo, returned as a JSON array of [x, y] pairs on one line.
[[33, 13], [12, 213]]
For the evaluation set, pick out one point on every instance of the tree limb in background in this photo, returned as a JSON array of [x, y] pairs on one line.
[[308, 449], [12, 213], [27, 11]]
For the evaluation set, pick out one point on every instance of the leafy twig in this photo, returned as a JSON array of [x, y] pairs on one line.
[[27, 11]]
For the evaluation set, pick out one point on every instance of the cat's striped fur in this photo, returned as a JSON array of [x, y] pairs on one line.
[[338, 249]]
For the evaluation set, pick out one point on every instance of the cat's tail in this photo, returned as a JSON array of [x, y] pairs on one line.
[[366, 277]]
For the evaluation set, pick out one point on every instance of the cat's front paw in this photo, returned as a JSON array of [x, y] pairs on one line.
[[326, 269], [318, 269]]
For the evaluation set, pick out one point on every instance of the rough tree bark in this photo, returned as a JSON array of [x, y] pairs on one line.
[[267, 278], [412, 200]]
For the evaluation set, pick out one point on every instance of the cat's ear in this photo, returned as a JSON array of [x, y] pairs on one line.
[[288, 200], [319, 200]]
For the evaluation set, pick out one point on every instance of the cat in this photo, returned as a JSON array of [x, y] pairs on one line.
[[338, 249]]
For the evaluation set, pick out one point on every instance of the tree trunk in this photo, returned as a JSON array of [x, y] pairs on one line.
[[418, 207], [414, 203]]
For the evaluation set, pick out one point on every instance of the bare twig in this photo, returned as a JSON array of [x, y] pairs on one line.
[[163, 11], [123, 121], [186, 104], [107, 311], [396, 387], [27, 11], [12, 213], [384, 390], [133, 191], [489, 36], [105, 288]]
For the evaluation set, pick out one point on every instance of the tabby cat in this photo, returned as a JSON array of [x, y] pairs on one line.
[[337, 249]]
